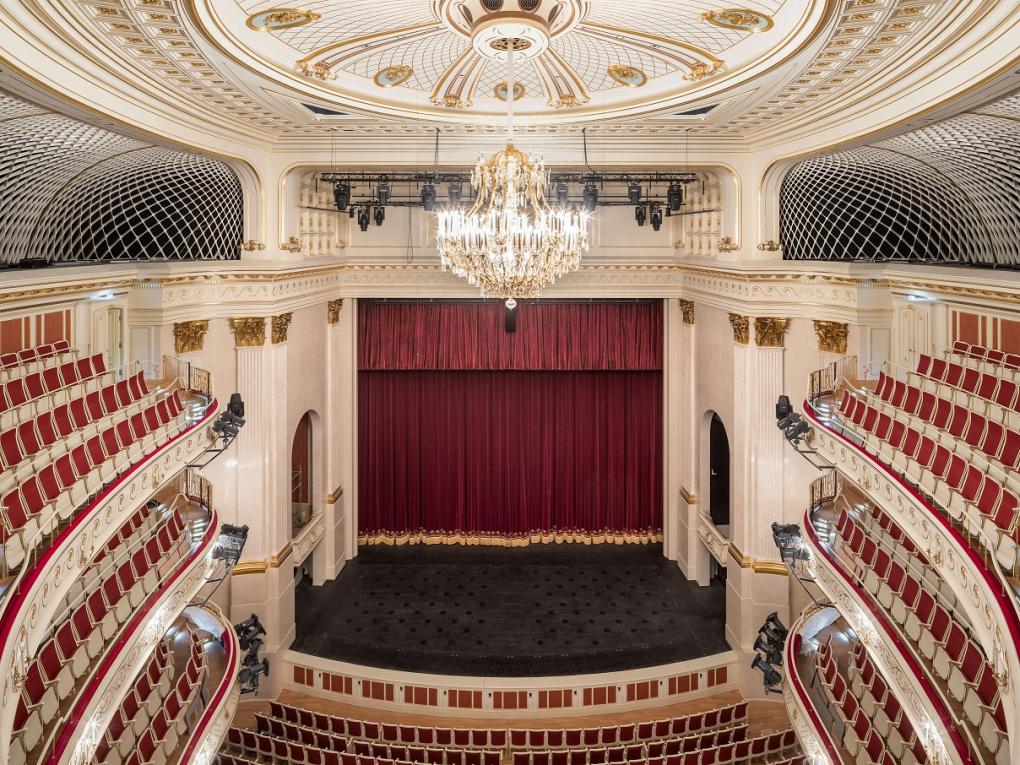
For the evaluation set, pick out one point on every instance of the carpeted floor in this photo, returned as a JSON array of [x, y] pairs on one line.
[[539, 610]]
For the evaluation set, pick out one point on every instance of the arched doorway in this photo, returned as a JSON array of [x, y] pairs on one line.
[[719, 474], [301, 478]]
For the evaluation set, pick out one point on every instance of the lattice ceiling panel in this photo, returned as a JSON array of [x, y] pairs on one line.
[[949, 192], [72, 191], [428, 56], [591, 58], [494, 74]]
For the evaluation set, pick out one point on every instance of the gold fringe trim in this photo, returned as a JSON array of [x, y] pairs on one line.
[[484, 539]]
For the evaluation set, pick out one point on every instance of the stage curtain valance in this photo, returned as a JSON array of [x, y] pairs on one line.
[[470, 336]]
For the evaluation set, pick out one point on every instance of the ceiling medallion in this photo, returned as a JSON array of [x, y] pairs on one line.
[[317, 71], [701, 71], [500, 91], [743, 19], [392, 76], [627, 75], [275, 19]]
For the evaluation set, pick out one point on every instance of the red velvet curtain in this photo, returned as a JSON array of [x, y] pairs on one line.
[[509, 455]]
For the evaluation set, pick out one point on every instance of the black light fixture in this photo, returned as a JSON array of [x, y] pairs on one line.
[[590, 196], [230, 544], [640, 214], [248, 676], [428, 197], [454, 192], [788, 539], [380, 215], [342, 195], [771, 679], [562, 193], [675, 196], [382, 191], [236, 405], [783, 407], [248, 630], [656, 217], [633, 192], [363, 218]]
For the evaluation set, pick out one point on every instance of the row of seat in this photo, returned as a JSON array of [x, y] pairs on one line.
[[998, 362], [40, 501], [79, 641], [162, 731], [267, 749], [870, 721], [22, 397], [652, 750], [952, 656], [235, 759], [963, 490], [416, 753], [502, 738], [27, 360]]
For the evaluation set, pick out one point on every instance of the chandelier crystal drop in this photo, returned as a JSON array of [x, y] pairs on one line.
[[511, 242]]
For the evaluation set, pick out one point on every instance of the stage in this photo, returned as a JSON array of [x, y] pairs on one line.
[[510, 612]]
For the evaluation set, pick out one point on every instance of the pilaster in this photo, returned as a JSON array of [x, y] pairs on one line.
[[673, 526], [348, 419], [332, 551], [690, 555]]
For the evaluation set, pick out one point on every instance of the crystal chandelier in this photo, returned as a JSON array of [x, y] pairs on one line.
[[511, 242]]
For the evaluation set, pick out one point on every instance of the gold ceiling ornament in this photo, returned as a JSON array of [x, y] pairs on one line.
[[770, 246], [726, 244], [832, 336], [568, 102], [252, 246], [293, 244], [450, 102], [317, 71], [280, 325], [702, 71], [687, 309], [392, 76], [741, 328], [249, 331], [333, 308], [770, 332], [277, 19], [743, 19], [189, 336], [500, 91], [511, 243], [627, 75]]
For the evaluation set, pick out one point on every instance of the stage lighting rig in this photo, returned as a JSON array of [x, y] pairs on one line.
[[640, 214], [226, 426], [771, 679], [768, 648], [236, 405], [380, 215], [363, 218], [230, 544], [590, 197], [428, 197], [248, 630], [633, 192], [764, 647], [454, 192], [789, 541], [342, 195], [382, 191], [795, 428], [675, 196], [656, 216], [562, 193], [249, 675]]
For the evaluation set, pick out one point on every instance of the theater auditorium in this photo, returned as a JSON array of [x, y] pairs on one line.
[[510, 382]]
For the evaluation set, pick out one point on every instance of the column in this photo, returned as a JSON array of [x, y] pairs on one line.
[[330, 556], [348, 428], [672, 428], [691, 556]]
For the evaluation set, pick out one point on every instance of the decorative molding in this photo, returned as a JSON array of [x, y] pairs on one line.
[[770, 567], [334, 496], [712, 538], [249, 331], [770, 332], [249, 567], [832, 336], [309, 537], [189, 336], [688, 497], [744, 561], [280, 325], [741, 328], [293, 244], [770, 246], [687, 309], [726, 244], [333, 308], [251, 245], [278, 559]]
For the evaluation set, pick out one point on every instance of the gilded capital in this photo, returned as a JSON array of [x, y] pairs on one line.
[[189, 336], [333, 310], [832, 336], [249, 332], [280, 325], [741, 328], [770, 332], [687, 309]]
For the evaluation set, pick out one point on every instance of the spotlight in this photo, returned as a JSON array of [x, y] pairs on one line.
[[380, 215], [796, 432], [640, 214], [230, 544], [342, 195], [590, 197], [351, 212], [562, 193], [254, 646], [783, 407], [382, 191], [788, 539], [633, 193], [656, 217], [248, 676], [454, 191], [248, 630], [225, 429], [363, 218], [236, 405], [771, 678], [773, 656], [773, 621], [428, 197], [675, 196]]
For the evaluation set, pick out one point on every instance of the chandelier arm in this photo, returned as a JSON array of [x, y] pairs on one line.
[[510, 91]]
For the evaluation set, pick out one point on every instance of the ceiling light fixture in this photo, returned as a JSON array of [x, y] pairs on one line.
[[511, 243]]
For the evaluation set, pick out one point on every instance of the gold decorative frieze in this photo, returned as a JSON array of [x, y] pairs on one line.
[[741, 328], [333, 308], [743, 19], [627, 75], [832, 336], [567, 102], [249, 331], [276, 19], [189, 336], [280, 325], [687, 309], [726, 244], [770, 332]]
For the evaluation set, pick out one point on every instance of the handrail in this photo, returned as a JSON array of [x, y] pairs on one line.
[[190, 376], [793, 682]]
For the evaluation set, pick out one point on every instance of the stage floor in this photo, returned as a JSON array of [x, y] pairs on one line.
[[539, 610]]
